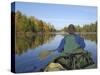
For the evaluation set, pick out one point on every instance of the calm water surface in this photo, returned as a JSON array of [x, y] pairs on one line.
[[28, 49]]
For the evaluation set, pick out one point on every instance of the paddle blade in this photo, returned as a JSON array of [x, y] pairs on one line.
[[44, 54]]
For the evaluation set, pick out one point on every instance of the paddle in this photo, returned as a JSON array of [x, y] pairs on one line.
[[44, 54]]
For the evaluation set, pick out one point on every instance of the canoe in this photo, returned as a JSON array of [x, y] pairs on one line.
[[71, 62]]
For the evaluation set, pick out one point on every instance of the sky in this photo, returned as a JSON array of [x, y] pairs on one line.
[[59, 15]]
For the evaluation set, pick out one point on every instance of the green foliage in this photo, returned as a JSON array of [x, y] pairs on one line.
[[27, 24], [31, 24], [85, 28]]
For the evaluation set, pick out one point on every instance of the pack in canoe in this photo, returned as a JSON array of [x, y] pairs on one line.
[[71, 62]]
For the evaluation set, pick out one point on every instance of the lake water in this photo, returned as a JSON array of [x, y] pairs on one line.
[[28, 49]]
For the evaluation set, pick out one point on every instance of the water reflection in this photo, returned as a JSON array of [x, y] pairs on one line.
[[31, 41], [25, 42], [29, 47], [92, 37]]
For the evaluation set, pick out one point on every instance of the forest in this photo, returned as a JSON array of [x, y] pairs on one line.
[[31, 24], [92, 27], [25, 23]]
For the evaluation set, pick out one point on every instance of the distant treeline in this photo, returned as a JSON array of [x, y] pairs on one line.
[[24, 23], [85, 28]]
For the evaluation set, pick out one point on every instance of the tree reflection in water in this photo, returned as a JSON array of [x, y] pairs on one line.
[[27, 41]]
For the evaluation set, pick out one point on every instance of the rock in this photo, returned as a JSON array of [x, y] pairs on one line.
[[54, 67]]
